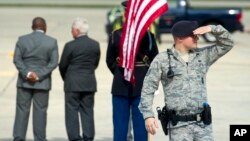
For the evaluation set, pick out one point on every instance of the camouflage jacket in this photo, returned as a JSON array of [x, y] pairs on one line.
[[186, 91]]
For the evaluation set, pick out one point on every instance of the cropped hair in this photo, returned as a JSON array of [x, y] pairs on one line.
[[81, 24], [39, 23]]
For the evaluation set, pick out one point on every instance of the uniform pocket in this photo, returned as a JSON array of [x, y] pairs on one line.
[[200, 68]]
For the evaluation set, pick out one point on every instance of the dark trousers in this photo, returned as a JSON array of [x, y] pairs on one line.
[[79, 103], [40, 105], [121, 114]]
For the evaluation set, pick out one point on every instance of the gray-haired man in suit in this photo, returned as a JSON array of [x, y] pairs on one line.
[[36, 56], [77, 66]]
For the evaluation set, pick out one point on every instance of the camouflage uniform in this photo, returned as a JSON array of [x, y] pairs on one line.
[[186, 91]]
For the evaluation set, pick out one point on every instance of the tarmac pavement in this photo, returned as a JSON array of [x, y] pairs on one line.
[[227, 81]]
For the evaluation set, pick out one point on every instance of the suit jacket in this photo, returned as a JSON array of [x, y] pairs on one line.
[[78, 62], [39, 53], [120, 86]]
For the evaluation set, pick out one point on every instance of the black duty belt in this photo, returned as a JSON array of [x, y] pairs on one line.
[[185, 118], [140, 64], [137, 64], [166, 116], [204, 116], [192, 117]]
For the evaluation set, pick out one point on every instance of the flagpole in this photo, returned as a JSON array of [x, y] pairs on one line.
[[149, 137]]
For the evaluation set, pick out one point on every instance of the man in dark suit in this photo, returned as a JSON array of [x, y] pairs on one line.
[[36, 56], [79, 60], [125, 96]]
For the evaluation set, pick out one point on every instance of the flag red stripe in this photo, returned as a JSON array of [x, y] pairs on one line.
[[148, 22], [126, 31], [139, 15], [130, 46], [144, 6]]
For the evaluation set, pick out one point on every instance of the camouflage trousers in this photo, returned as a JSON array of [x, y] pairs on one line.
[[192, 132]]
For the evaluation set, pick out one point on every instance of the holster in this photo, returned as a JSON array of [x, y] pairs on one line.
[[163, 116], [206, 114]]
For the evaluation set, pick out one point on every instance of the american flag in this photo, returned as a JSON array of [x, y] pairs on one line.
[[139, 15]]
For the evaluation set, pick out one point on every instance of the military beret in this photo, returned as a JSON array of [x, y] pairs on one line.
[[184, 28], [124, 3]]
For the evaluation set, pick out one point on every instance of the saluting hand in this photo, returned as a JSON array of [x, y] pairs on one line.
[[202, 30], [151, 125]]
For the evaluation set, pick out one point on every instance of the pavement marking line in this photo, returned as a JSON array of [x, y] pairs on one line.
[[11, 55], [8, 84], [7, 73]]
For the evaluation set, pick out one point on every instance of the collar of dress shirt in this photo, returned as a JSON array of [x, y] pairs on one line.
[[80, 35], [39, 30]]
